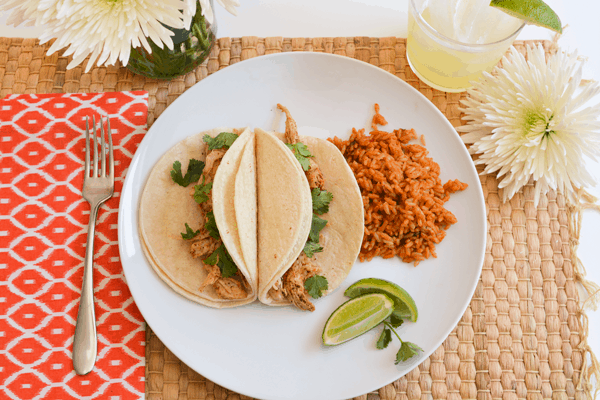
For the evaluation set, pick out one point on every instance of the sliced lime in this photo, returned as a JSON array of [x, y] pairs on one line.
[[355, 317], [535, 12], [404, 305]]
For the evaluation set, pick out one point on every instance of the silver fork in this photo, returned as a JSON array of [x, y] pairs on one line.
[[97, 188]]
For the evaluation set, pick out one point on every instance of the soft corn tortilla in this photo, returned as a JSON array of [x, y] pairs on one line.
[[246, 211], [165, 207], [235, 211], [341, 238], [284, 211]]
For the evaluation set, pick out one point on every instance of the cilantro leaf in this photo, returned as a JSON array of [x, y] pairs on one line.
[[395, 320], [316, 227], [201, 191], [222, 140], [303, 150], [212, 259], [407, 350], [385, 339], [320, 200], [226, 264], [301, 153], [310, 248], [222, 258], [304, 163], [315, 286], [211, 225], [189, 232], [176, 174], [415, 347], [193, 173]]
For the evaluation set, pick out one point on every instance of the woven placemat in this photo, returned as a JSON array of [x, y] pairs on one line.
[[522, 336]]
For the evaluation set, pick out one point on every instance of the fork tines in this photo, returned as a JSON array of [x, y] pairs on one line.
[[95, 167]]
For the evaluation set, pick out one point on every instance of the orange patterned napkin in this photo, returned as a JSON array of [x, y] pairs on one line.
[[43, 227]]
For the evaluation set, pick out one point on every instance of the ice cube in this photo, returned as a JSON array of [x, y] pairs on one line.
[[440, 15], [483, 23], [469, 21]]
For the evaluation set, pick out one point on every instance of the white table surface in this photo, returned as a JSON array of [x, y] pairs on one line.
[[292, 18]]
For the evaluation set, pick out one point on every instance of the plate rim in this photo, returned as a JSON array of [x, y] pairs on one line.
[[247, 64]]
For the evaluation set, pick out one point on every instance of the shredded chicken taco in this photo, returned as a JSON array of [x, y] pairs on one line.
[[256, 214], [313, 259], [199, 228]]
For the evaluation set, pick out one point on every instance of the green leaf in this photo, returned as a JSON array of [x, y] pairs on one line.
[[312, 245], [201, 191], [303, 150], [301, 153], [316, 227], [407, 350], [176, 174], [212, 259], [189, 232], [320, 200], [415, 347], [211, 225], [315, 286], [310, 248], [385, 339], [226, 264], [193, 173], [222, 140], [223, 260], [395, 320]]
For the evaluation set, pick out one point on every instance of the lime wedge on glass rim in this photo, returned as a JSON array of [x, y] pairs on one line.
[[404, 305], [355, 317], [535, 12]]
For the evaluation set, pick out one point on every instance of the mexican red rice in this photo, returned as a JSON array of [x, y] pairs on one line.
[[402, 193]]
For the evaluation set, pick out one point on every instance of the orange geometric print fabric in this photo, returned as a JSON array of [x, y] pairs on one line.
[[43, 228]]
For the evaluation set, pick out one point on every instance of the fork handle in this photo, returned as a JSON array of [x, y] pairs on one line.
[[85, 344]]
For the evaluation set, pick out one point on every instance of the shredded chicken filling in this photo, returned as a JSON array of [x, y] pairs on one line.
[[276, 292], [293, 282], [203, 245], [291, 285]]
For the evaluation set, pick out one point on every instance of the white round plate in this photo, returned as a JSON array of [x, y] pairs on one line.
[[276, 353]]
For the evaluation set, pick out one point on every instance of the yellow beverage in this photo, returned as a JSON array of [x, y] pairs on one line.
[[451, 45]]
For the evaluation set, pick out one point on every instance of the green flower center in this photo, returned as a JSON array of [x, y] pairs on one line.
[[537, 124]]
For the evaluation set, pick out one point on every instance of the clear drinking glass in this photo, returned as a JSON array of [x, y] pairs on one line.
[[451, 42]]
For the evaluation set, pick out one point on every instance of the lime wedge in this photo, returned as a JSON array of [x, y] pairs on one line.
[[404, 305], [535, 12], [355, 317]]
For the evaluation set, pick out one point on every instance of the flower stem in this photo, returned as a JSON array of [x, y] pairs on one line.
[[203, 27], [393, 330]]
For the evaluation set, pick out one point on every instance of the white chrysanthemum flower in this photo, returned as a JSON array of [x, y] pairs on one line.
[[189, 10], [529, 122], [230, 5], [104, 30], [21, 11]]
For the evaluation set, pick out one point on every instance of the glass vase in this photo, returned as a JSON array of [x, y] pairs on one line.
[[190, 48]]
